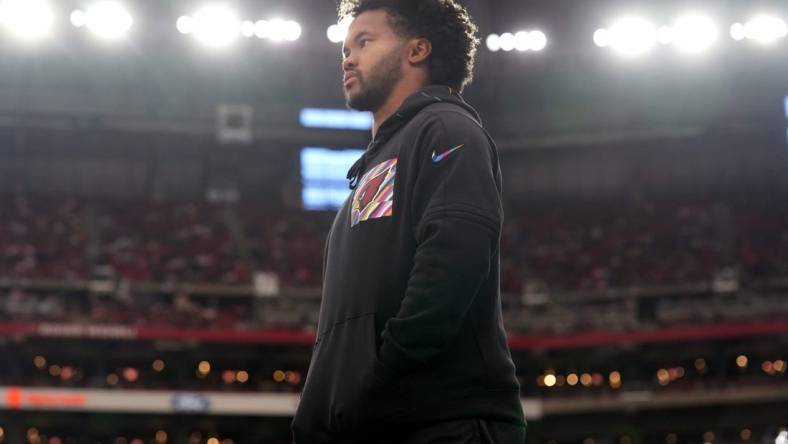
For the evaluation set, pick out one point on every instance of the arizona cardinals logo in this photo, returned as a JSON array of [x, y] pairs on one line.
[[370, 189], [374, 195]]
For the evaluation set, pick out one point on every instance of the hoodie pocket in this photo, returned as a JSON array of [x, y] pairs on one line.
[[342, 393]]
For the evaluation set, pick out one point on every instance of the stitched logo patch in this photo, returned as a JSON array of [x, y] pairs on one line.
[[374, 195]]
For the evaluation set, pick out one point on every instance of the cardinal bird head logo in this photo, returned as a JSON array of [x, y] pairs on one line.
[[369, 190], [374, 196]]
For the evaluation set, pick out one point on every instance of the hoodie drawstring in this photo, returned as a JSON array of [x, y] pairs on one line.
[[432, 94], [355, 171]]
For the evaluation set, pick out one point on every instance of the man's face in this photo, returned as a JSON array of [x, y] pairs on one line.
[[372, 61]]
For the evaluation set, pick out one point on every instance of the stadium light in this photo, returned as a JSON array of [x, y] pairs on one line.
[[261, 29], [632, 36], [765, 29], [247, 28], [538, 40], [185, 24], [693, 33], [283, 30], [493, 42], [602, 38], [215, 26], [27, 19], [106, 19], [293, 31], [277, 30], [737, 32], [521, 41], [78, 18], [336, 33], [530, 41], [507, 41]]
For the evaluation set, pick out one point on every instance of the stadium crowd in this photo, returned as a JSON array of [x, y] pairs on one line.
[[730, 251], [555, 250]]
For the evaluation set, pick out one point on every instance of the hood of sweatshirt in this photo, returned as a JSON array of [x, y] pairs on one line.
[[409, 108]]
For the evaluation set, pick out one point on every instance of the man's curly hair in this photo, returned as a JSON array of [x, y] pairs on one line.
[[446, 24]]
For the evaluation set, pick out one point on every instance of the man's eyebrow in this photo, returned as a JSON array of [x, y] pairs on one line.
[[362, 34]]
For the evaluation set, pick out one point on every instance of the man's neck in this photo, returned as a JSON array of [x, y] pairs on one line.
[[401, 91]]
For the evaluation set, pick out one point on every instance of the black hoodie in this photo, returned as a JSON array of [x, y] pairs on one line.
[[410, 329]]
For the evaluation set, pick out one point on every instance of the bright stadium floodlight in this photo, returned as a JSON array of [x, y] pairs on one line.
[[693, 33], [185, 24], [336, 33], [538, 40], [602, 38], [261, 29], [247, 28], [279, 30], [507, 41], [78, 18], [105, 19], [737, 32], [293, 32], [522, 41], [632, 36], [216, 26], [493, 42], [765, 29], [530, 41], [27, 19]]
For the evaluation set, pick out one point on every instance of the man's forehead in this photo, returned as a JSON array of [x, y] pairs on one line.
[[372, 22]]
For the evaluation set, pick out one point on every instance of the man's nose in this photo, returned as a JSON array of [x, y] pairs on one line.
[[348, 63]]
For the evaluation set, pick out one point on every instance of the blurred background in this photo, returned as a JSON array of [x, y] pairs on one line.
[[169, 171]]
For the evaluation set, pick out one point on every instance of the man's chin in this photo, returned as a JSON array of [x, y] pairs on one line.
[[355, 102], [349, 101]]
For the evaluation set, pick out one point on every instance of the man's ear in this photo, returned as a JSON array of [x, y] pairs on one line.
[[419, 50]]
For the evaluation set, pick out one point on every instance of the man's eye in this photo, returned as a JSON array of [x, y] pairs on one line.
[[363, 42]]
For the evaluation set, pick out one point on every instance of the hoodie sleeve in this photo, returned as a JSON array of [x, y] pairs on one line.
[[455, 205]]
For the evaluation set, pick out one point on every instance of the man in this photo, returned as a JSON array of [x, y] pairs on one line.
[[410, 345]]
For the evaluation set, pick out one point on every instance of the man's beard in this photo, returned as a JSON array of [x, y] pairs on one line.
[[376, 89]]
